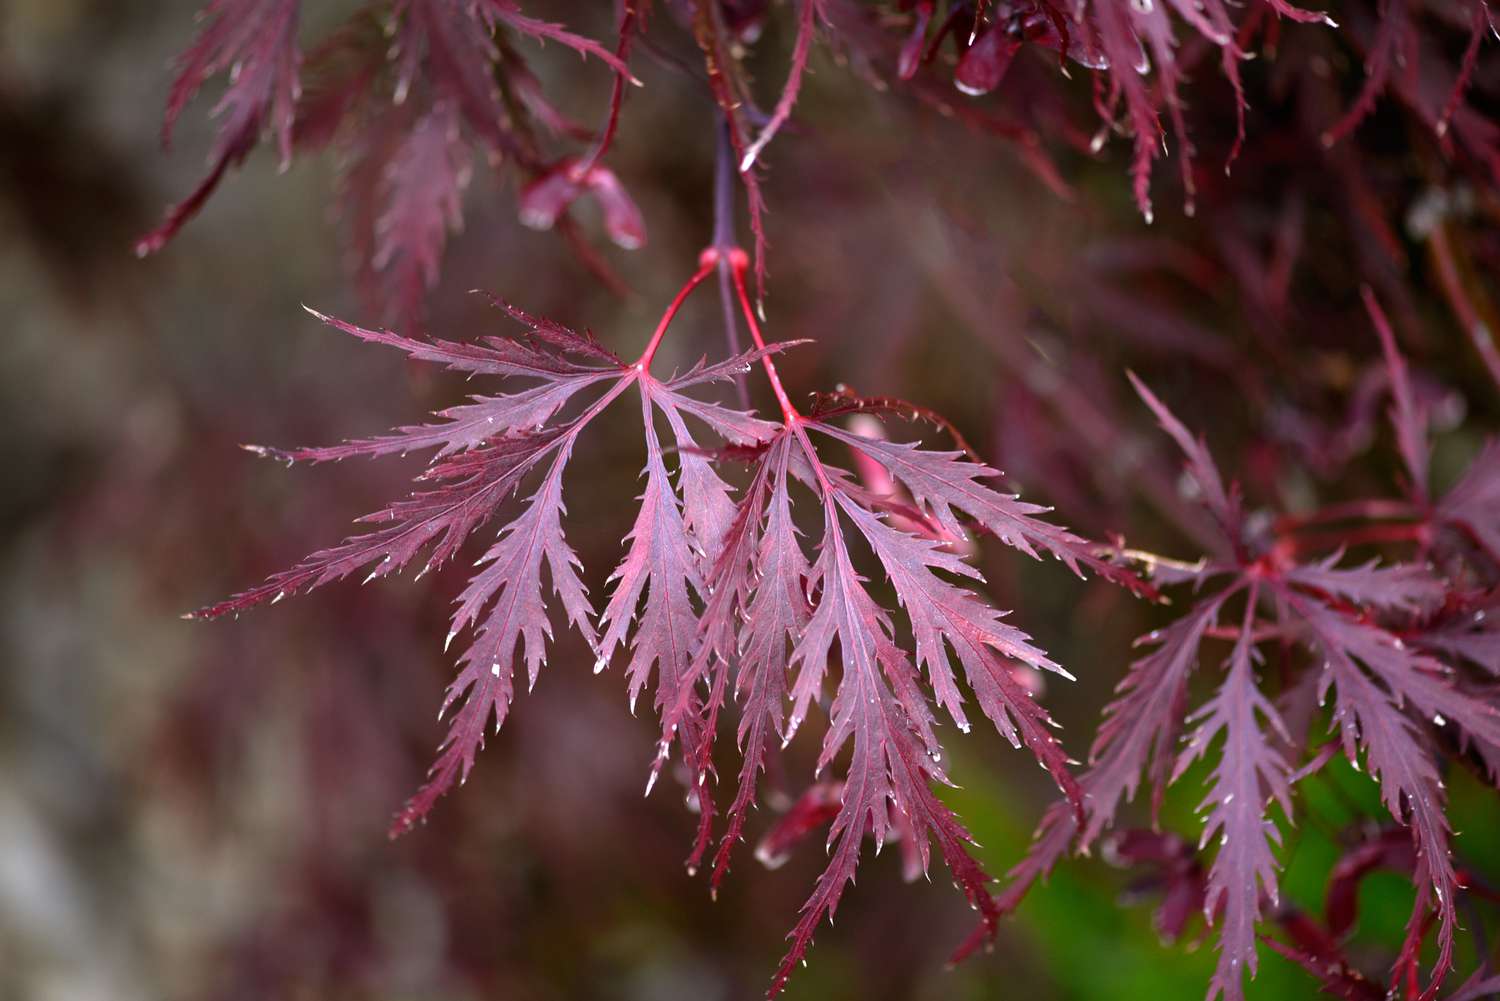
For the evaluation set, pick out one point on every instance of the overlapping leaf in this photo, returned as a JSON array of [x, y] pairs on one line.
[[257, 40], [714, 594], [1390, 700], [405, 109]]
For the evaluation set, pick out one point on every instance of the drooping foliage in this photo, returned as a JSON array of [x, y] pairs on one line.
[[711, 585], [1367, 641], [762, 584]]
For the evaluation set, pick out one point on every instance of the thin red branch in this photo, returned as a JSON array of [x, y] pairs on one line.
[[739, 264], [1360, 510], [805, 23], [707, 261], [1368, 535], [628, 18]]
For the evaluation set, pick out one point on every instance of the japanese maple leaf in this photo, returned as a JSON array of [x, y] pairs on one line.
[[1472, 506], [879, 708], [1388, 698], [483, 452], [781, 622], [257, 41], [406, 92], [715, 601]]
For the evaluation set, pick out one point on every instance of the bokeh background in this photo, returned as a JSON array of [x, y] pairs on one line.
[[198, 811]]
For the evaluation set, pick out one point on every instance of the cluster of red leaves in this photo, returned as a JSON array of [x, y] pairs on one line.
[[1175, 873], [405, 92], [716, 599], [406, 114], [1318, 948], [1406, 651], [717, 602], [1142, 65]]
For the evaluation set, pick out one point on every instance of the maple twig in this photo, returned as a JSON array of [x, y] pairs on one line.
[[1360, 510], [628, 16], [1416, 531], [724, 242], [806, 21], [739, 262], [1153, 560], [1233, 633], [729, 95]]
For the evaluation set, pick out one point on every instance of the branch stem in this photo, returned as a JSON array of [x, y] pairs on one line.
[[707, 261], [724, 243], [1367, 535], [739, 264], [628, 17], [1361, 510]]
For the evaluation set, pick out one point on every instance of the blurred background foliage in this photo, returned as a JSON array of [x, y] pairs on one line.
[[199, 811]]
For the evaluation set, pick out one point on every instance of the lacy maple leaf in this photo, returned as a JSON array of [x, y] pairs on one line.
[[258, 39], [406, 92], [715, 599], [1392, 702]]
